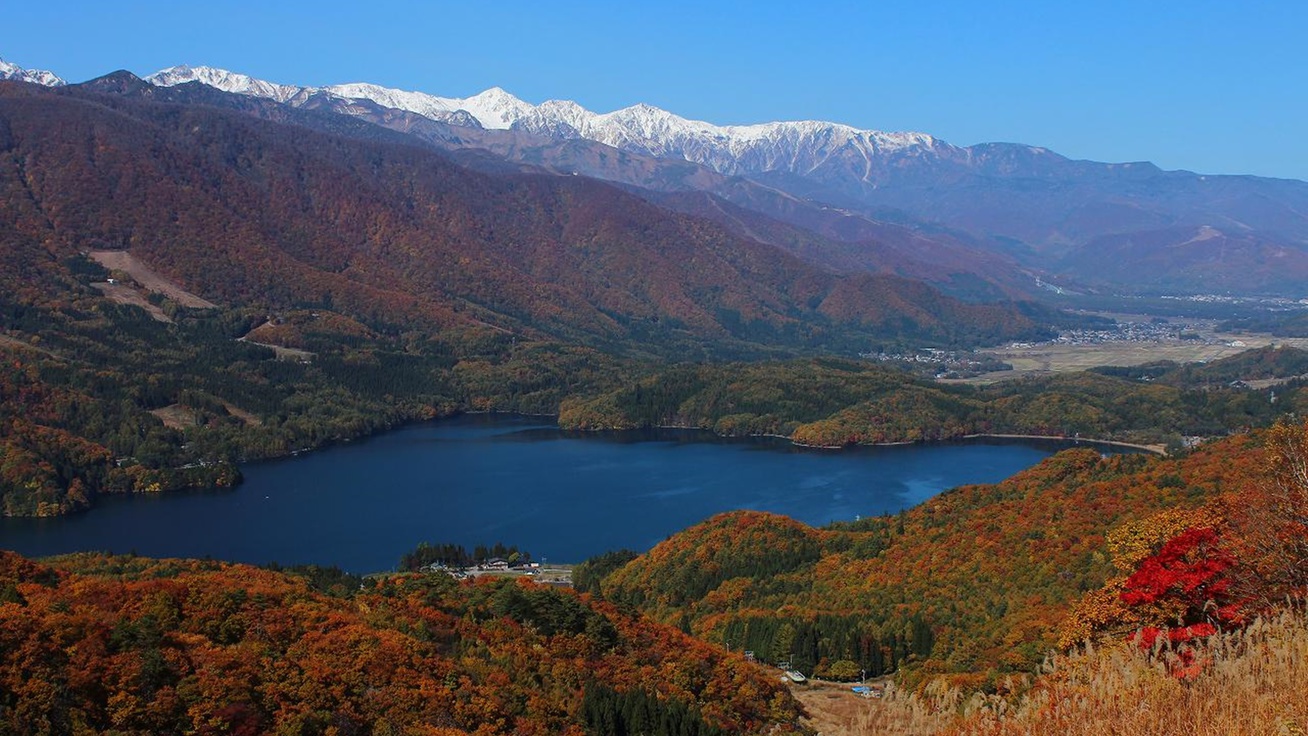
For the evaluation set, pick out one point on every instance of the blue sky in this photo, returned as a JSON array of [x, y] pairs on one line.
[[1206, 86]]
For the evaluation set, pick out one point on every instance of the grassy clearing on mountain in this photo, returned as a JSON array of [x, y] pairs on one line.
[[119, 260]]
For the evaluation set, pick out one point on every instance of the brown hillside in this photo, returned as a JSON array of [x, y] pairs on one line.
[[248, 211]]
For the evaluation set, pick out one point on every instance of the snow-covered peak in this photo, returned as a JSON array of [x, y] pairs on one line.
[[35, 76], [224, 80], [417, 102], [801, 146], [493, 108], [649, 121], [566, 111], [496, 108]]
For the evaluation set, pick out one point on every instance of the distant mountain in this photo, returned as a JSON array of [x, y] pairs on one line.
[[244, 211], [1027, 202], [837, 238], [1180, 258], [35, 76], [643, 129]]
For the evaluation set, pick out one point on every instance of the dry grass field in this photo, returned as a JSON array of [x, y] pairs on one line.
[[1254, 683], [834, 710]]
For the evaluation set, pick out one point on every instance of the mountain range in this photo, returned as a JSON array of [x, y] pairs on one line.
[[994, 220], [1127, 227], [320, 210], [34, 76], [196, 276]]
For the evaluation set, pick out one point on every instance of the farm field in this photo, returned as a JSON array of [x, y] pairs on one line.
[[1067, 357]]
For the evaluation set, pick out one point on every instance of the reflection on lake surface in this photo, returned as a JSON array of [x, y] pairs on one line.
[[482, 479]]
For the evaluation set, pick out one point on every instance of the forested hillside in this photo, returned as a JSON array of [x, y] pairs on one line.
[[829, 402], [96, 397], [977, 583], [130, 645], [249, 212]]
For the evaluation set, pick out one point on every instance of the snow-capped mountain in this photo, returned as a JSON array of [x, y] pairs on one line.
[[224, 80], [797, 147], [35, 76], [1011, 200]]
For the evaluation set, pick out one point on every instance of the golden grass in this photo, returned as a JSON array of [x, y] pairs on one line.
[[1255, 683], [926, 713]]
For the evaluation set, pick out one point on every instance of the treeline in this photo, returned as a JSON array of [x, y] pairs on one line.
[[1281, 324], [1251, 365], [819, 645], [606, 712], [975, 583], [330, 580], [728, 548], [587, 575], [455, 555], [830, 402]]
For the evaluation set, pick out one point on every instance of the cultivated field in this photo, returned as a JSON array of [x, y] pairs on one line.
[[1061, 358]]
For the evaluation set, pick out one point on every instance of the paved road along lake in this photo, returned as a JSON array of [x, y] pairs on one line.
[[481, 479]]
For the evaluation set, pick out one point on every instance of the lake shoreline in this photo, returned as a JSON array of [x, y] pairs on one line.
[[1156, 449], [488, 478]]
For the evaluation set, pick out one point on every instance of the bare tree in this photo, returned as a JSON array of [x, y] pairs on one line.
[[1271, 520]]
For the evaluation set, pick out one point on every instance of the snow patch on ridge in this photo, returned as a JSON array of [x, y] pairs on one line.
[[224, 80], [35, 76]]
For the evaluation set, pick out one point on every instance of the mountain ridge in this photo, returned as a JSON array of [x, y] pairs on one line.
[[412, 233], [34, 76], [641, 127], [1013, 199], [1051, 215]]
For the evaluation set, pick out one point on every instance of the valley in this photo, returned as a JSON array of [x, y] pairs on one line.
[[269, 336], [1206, 343]]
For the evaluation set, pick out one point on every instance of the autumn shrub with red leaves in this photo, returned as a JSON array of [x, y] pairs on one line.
[[1184, 587]]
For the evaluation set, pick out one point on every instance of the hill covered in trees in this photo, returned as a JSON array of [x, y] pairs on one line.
[[252, 212], [90, 643], [831, 402], [980, 582]]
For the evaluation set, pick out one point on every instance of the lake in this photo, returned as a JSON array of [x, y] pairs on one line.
[[481, 479]]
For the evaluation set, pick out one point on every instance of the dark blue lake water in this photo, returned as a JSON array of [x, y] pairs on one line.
[[483, 479]]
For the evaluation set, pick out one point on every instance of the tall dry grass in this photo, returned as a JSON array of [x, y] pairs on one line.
[[1255, 682], [904, 713]]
